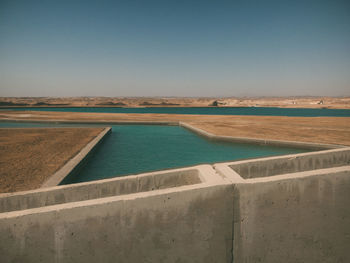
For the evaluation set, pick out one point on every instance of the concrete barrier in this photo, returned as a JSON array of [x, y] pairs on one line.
[[73, 164], [187, 223], [292, 163], [98, 189], [287, 209], [291, 209]]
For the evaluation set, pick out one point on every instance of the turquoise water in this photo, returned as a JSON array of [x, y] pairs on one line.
[[258, 111], [132, 149]]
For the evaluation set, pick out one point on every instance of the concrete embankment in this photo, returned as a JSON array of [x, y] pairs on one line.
[[291, 208], [98, 189], [283, 143], [189, 221], [302, 219], [73, 165]]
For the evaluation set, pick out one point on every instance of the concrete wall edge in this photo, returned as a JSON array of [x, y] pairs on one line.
[[69, 167], [306, 145]]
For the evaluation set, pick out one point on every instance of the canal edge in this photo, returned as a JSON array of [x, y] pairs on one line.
[[74, 162]]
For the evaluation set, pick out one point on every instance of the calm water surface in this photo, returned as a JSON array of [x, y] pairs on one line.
[[258, 111], [132, 149]]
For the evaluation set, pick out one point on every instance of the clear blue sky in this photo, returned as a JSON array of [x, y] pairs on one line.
[[174, 48]]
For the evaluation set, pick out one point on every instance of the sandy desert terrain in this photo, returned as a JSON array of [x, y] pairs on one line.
[[333, 130], [290, 102], [29, 156]]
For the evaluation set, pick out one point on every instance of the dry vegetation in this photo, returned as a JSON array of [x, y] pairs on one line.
[[29, 156], [333, 130]]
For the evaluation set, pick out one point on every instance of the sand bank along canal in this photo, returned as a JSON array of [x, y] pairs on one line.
[[132, 149]]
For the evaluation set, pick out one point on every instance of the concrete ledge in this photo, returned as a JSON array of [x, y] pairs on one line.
[[304, 218], [291, 208], [72, 164], [298, 212], [108, 187], [188, 223], [302, 145], [286, 164]]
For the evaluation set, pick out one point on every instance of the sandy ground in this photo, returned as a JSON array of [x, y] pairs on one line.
[[290, 102], [332, 130], [29, 156]]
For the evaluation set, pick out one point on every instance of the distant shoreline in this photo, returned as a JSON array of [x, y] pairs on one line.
[[143, 102], [155, 106]]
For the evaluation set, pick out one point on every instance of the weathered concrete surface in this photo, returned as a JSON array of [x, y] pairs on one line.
[[102, 188], [292, 217], [288, 209], [303, 219], [191, 223], [74, 163], [292, 163]]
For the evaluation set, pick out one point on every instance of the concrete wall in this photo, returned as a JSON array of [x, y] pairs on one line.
[[191, 223], [73, 164], [304, 219], [99, 189], [290, 209], [292, 217], [291, 163]]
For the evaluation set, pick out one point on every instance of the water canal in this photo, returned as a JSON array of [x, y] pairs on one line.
[[132, 149], [256, 111]]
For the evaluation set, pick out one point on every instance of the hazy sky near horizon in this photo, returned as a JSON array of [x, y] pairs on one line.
[[175, 48]]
